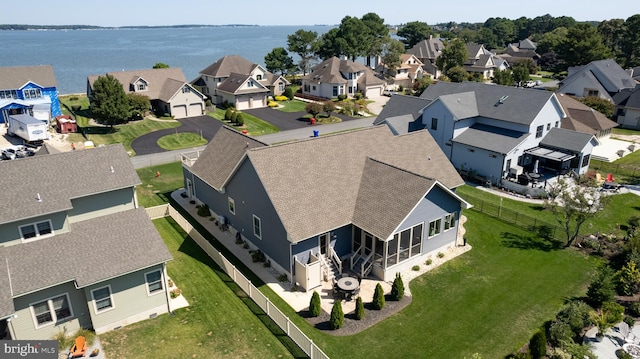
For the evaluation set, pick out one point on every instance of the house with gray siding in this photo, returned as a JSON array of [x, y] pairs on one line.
[[365, 201], [490, 130], [76, 249], [601, 78]]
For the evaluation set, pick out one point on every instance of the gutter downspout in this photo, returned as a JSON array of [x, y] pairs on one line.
[[166, 292]]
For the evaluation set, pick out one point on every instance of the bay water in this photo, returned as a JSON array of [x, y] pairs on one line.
[[76, 54]]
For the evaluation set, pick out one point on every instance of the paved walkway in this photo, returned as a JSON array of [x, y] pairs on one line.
[[613, 341]]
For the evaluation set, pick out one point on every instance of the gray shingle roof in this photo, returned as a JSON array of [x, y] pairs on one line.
[[93, 251], [234, 82], [227, 65], [6, 301], [60, 177], [400, 124], [314, 184], [222, 155], [169, 89], [427, 49], [583, 118], [156, 79], [328, 71], [612, 77], [491, 138], [386, 196], [566, 139], [401, 105], [14, 77], [521, 105]]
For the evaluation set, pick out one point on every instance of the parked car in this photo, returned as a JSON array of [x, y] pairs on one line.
[[9, 154], [22, 152], [389, 93]]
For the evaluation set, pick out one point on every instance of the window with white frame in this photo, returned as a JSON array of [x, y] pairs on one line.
[[232, 206], [141, 86], [34, 231], [154, 282], [539, 130], [404, 245], [51, 311], [102, 299], [280, 86], [434, 227], [257, 226], [450, 221], [186, 89], [32, 93]]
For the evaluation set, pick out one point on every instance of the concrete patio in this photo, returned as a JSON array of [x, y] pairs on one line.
[[613, 341]]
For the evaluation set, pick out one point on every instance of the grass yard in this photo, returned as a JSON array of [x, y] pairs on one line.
[[253, 125], [292, 106], [181, 140], [624, 131], [216, 324], [490, 300], [154, 190]]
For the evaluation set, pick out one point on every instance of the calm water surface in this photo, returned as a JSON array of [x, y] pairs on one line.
[[75, 54]]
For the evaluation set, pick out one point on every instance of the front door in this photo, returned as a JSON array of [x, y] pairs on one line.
[[324, 243]]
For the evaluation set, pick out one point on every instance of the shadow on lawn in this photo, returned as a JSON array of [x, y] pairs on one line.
[[540, 242], [191, 248]]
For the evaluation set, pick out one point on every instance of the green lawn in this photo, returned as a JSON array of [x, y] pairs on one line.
[[154, 190], [181, 140], [253, 125], [624, 131], [292, 106], [216, 324]]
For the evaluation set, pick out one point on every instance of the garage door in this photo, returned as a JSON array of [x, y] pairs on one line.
[[373, 92], [179, 111], [242, 104], [195, 109]]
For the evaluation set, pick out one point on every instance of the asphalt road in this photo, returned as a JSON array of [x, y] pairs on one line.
[[205, 126]]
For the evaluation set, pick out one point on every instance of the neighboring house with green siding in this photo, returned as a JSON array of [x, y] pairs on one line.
[[76, 250]]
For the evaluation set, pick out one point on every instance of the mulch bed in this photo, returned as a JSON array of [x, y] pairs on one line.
[[351, 324]]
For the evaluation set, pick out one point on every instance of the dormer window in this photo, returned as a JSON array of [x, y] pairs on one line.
[[34, 231], [141, 86]]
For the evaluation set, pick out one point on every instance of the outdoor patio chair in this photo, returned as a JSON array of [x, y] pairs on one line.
[[627, 335], [79, 348]]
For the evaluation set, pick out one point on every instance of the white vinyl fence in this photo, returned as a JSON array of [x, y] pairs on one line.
[[260, 299]]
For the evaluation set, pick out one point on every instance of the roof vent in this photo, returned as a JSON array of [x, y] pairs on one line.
[[503, 99], [38, 198], [112, 170]]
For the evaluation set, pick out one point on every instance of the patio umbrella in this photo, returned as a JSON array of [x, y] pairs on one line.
[[535, 166]]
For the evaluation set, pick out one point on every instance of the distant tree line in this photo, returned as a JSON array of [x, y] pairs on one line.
[[47, 27]]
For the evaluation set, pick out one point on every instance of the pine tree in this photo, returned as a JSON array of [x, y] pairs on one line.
[[359, 309], [314, 306], [109, 103], [337, 316], [227, 114], [397, 289], [378, 298], [240, 119]]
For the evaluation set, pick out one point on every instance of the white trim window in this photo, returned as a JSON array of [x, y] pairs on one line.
[[232, 206], [51, 310], [102, 299], [449, 221], [435, 227], [257, 227], [35, 231], [154, 282]]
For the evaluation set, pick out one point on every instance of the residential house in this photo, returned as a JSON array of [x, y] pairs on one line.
[[481, 61], [409, 70], [237, 81], [627, 112], [584, 119], [602, 78], [334, 76], [30, 90], [166, 88], [490, 129], [428, 51], [372, 203], [76, 250], [521, 50]]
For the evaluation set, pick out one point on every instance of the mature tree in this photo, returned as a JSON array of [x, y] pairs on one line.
[[160, 65], [523, 27], [413, 32], [503, 29], [629, 279], [454, 54], [139, 104], [612, 33], [457, 74], [378, 34], [572, 204], [601, 105], [304, 43], [109, 103], [583, 45], [529, 64], [631, 44], [520, 74], [278, 60], [328, 107], [487, 38], [313, 108], [502, 77], [353, 36], [392, 49], [552, 41], [549, 61], [467, 35], [421, 84], [602, 288], [329, 45]]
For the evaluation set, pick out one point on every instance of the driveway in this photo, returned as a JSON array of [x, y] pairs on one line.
[[148, 144], [286, 120]]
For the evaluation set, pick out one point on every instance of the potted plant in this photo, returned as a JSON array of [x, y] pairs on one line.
[[601, 320]]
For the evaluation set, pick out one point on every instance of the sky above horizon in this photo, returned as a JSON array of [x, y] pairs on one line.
[[207, 12]]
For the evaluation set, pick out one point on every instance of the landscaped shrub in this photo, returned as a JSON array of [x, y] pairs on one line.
[[240, 119], [560, 332], [337, 316], [234, 117], [428, 262], [634, 309], [258, 256], [227, 114], [203, 211], [273, 104], [602, 287], [621, 354], [76, 108], [281, 98], [629, 320], [357, 96], [342, 97], [282, 278], [397, 289], [629, 279], [288, 91], [440, 255], [359, 308], [415, 268], [576, 315], [613, 312], [314, 306], [538, 345], [378, 298]]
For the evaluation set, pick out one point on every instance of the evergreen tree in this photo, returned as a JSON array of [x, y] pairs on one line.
[[378, 298], [240, 119], [538, 345], [454, 54], [234, 117], [109, 103], [305, 44], [278, 60], [359, 309], [337, 316], [314, 307], [288, 91], [414, 31], [602, 288], [397, 289], [227, 114]]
